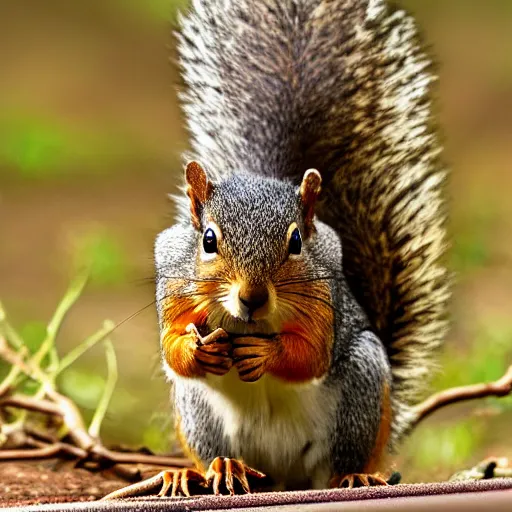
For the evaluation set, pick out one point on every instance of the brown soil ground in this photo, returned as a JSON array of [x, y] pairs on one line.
[[51, 481]]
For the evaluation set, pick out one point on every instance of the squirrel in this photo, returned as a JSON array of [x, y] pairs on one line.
[[301, 294]]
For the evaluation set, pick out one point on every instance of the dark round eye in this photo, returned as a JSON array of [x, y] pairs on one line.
[[295, 244], [209, 241]]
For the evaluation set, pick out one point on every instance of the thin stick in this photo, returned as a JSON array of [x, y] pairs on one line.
[[11, 377], [46, 452], [141, 458], [500, 388], [16, 359], [8, 331], [31, 404], [48, 346], [107, 327], [110, 384]]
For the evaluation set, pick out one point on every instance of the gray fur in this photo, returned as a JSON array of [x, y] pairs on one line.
[[254, 233], [253, 237], [275, 87], [359, 371]]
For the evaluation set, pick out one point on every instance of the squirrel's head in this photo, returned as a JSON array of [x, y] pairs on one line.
[[256, 237]]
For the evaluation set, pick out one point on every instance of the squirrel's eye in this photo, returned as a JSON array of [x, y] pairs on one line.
[[209, 241], [295, 244]]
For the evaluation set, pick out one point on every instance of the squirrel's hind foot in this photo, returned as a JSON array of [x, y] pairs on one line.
[[224, 474], [351, 480], [175, 480], [228, 473]]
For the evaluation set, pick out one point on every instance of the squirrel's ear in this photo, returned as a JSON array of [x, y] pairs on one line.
[[198, 190], [309, 190]]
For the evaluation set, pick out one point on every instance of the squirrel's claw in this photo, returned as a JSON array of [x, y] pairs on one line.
[[352, 480], [179, 481], [211, 353], [251, 356], [226, 470], [176, 480]]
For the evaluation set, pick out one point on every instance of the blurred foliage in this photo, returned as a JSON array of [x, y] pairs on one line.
[[449, 445], [158, 9], [39, 353], [488, 356], [99, 250], [45, 148], [53, 139]]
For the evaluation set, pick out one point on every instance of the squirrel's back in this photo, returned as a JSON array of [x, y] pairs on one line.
[[275, 87]]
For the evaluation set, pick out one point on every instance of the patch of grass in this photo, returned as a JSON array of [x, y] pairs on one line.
[[446, 446], [471, 238], [160, 10], [469, 252], [102, 253], [34, 365], [33, 334], [38, 147], [487, 360], [157, 435], [84, 388]]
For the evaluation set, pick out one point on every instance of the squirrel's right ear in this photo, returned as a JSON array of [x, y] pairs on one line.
[[199, 190], [309, 190]]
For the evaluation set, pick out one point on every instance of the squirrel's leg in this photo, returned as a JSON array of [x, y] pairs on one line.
[[177, 481], [223, 475], [364, 415]]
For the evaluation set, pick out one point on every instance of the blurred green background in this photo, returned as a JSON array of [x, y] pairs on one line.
[[90, 138]]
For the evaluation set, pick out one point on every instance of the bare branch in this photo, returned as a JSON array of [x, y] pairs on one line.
[[31, 404], [45, 452], [500, 388], [141, 458]]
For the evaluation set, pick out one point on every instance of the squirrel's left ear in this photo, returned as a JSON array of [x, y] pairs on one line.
[[309, 190], [198, 190]]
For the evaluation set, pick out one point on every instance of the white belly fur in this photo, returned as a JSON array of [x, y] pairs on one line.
[[270, 423]]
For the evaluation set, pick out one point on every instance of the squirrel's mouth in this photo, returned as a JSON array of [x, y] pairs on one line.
[[239, 327]]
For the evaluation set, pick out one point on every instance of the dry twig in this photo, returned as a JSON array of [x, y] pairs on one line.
[[84, 446], [499, 388], [73, 439]]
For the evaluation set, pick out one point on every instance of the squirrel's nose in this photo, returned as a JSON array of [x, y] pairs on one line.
[[253, 297]]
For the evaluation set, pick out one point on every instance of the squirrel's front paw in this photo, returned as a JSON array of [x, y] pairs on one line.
[[253, 356], [211, 354]]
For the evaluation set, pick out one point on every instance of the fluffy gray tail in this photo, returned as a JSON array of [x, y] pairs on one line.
[[278, 86]]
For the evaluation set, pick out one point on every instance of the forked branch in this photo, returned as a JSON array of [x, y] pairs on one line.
[[500, 388]]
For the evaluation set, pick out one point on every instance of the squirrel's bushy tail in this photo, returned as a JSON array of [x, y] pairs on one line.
[[278, 86]]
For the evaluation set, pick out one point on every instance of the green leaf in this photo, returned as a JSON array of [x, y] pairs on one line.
[[102, 253], [33, 334], [155, 438], [446, 445], [85, 388]]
